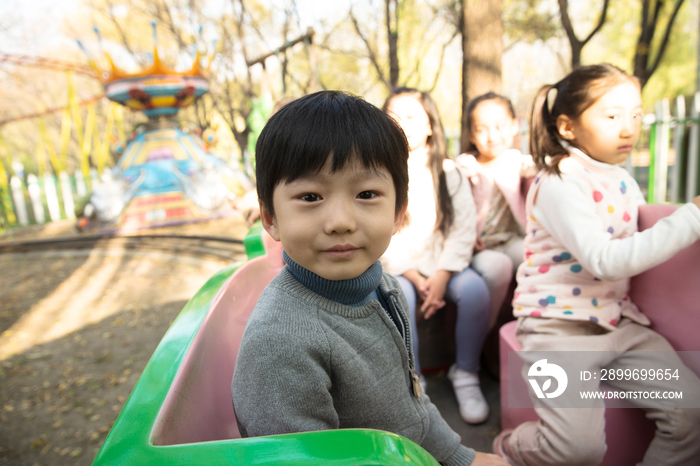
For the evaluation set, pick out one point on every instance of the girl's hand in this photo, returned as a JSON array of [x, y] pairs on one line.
[[433, 292], [415, 278], [479, 244], [696, 201]]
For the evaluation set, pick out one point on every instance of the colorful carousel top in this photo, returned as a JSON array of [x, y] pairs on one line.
[[157, 90], [165, 175]]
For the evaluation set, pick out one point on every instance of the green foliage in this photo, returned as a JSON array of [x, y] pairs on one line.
[[529, 21], [676, 72], [622, 29]]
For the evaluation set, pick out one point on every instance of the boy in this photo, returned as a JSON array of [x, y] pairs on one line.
[[328, 345]]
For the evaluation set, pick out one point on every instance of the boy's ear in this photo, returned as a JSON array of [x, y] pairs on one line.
[[565, 127], [398, 218], [268, 223]]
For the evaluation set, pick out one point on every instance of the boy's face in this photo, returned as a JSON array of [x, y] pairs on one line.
[[335, 224]]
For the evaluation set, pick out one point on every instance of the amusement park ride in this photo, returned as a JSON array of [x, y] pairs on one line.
[[165, 175], [180, 411]]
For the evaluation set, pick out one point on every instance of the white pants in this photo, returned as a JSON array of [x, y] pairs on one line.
[[576, 437]]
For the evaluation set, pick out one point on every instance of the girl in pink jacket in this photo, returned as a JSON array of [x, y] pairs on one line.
[[498, 177]]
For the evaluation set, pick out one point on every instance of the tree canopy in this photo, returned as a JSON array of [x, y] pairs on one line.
[[365, 46]]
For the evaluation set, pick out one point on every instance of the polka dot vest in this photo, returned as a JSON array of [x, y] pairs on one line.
[[551, 282]]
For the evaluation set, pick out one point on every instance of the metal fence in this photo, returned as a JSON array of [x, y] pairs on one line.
[[674, 151], [38, 200]]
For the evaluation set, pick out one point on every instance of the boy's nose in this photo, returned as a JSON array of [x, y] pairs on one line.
[[340, 218]]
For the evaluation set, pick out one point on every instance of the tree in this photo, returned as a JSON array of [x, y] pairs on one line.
[[391, 15], [646, 60], [481, 27], [413, 31], [576, 43], [391, 22], [644, 66], [526, 21]]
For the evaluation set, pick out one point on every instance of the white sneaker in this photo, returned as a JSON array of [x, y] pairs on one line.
[[472, 404]]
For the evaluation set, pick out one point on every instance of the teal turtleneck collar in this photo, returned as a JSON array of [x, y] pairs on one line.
[[351, 292]]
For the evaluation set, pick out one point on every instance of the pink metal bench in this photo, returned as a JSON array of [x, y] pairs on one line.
[[669, 294], [180, 412], [198, 407]]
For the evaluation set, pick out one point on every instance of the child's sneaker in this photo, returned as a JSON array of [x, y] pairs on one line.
[[472, 404], [500, 445]]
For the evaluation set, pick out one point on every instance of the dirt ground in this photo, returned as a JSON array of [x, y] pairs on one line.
[[76, 330]]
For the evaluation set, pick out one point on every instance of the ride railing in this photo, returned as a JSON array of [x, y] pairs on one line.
[[674, 151], [43, 199]]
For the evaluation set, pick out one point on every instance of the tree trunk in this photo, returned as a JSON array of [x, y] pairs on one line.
[[644, 66], [576, 48], [392, 30], [576, 43], [482, 47]]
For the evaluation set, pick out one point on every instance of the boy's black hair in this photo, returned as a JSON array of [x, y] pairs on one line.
[[297, 141]]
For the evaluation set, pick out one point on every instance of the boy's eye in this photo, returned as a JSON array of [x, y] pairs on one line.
[[637, 115], [367, 195], [613, 117], [310, 197]]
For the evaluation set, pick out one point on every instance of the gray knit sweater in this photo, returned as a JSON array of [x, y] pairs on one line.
[[310, 363]]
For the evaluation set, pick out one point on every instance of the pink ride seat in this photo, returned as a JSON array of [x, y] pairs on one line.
[[198, 407], [668, 294]]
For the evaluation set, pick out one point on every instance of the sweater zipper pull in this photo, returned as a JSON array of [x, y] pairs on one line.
[[417, 389]]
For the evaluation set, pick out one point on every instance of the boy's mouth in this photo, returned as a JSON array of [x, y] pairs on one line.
[[341, 250]]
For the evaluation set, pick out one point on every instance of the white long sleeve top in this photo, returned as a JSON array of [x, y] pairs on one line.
[[419, 245], [582, 244]]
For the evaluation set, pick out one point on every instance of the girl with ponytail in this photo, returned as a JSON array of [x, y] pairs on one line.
[[582, 247]]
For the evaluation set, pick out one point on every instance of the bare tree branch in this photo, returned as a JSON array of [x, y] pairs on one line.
[[642, 57], [120, 30], [370, 51], [601, 21], [664, 41], [442, 59], [575, 43], [566, 22], [166, 18]]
